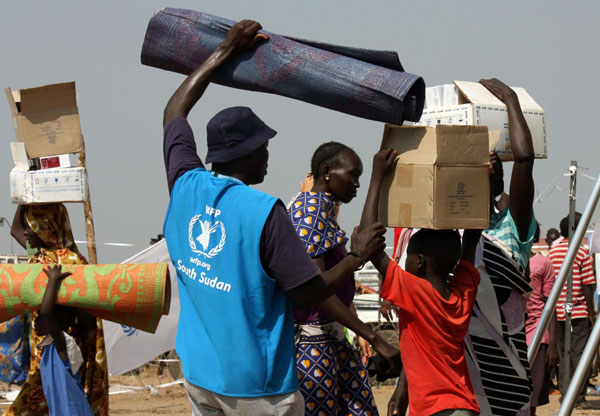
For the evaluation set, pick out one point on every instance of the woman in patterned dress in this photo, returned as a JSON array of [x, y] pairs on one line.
[[45, 230], [333, 379]]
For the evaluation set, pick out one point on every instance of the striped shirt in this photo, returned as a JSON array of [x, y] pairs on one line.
[[503, 227], [583, 274]]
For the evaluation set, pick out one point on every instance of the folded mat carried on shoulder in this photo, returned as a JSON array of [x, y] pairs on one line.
[[135, 295], [361, 82]]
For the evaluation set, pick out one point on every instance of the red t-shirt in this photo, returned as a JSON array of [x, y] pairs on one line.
[[432, 338]]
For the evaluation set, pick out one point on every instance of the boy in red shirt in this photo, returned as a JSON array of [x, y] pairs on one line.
[[434, 309]]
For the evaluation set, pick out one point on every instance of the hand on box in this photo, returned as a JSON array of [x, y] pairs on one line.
[[499, 89], [383, 161]]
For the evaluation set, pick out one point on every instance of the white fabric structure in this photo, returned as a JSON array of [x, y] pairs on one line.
[[128, 348]]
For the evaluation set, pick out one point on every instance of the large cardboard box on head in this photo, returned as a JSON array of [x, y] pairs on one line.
[[46, 119], [470, 103], [441, 179]]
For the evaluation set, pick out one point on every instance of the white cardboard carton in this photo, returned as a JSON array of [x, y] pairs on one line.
[[48, 185], [476, 105]]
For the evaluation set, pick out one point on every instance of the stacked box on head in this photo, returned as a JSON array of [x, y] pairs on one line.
[[441, 179], [47, 129]]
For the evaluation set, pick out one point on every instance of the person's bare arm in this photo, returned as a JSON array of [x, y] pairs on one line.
[[241, 37], [469, 245], [383, 161], [365, 244], [16, 229], [47, 313], [521, 196], [588, 294], [334, 308], [398, 404]]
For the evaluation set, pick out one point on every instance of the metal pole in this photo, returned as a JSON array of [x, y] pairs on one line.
[[562, 274], [565, 363], [581, 372]]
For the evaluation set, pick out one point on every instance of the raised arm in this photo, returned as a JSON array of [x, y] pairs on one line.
[[47, 313], [469, 245], [383, 161], [521, 196], [364, 245], [241, 37]]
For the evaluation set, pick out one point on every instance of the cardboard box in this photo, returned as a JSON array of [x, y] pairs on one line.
[[441, 179], [48, 185], [470, 103], [46, 119]]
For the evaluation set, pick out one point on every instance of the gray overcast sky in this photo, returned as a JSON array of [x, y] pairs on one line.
[[548, 47]]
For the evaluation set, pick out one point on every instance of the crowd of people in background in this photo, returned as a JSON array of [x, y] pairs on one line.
[[467, 301]]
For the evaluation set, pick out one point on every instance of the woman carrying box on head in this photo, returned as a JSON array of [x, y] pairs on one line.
[[45, 230]]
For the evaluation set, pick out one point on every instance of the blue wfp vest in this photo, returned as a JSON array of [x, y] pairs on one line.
[[235, 335]]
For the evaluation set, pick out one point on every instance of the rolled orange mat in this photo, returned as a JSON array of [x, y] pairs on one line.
[[135, 295]]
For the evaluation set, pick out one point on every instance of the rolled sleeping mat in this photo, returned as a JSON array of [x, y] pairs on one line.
[[360, 82], [135, 295]]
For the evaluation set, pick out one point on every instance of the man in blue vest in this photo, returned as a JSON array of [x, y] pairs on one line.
[[239, 262]]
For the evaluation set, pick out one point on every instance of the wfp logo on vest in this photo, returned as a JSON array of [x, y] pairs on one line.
[[206, 237]]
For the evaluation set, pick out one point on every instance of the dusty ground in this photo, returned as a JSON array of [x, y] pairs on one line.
[[171, 399]]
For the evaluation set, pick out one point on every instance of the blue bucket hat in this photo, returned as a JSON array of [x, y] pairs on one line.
[[235, 132]]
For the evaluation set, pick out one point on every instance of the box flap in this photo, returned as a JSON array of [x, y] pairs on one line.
[[462, 145], [415, 144], [476, 93], [48, 97], [19, 154], [525, 100], [494, 138], [11, 101]]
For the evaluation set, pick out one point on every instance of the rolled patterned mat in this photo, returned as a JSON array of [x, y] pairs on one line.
[[364, 83], [135, 295]]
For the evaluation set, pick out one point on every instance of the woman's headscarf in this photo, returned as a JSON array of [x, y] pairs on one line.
[[50, 222]]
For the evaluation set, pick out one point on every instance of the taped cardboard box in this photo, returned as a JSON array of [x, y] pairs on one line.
[[48, 185], [441, 179], [470, 103], [46, 119]]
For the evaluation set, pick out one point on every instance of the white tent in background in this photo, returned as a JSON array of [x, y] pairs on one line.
[[128, 348]]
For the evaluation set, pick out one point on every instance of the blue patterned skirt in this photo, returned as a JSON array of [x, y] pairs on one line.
[[332, 378]]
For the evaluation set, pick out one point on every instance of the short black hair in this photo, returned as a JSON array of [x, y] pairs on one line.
[[442, 247], [331, 153], [564, 224]]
